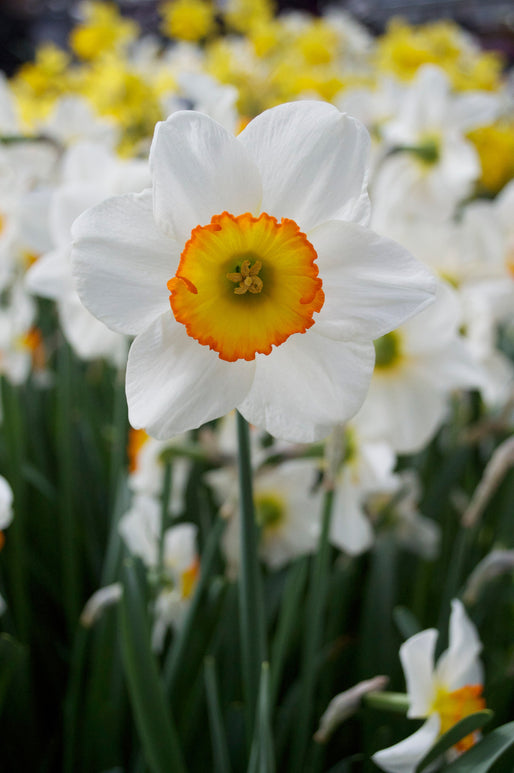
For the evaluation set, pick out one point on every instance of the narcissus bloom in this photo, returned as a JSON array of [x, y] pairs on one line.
[[247, 274], [443, 692]]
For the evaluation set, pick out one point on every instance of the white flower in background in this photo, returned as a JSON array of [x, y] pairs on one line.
[[181, 566], [443, 693], [6, 516], [19, 340], [287, 507], [480, 329], [432, 166], [146, 473], [470, 254], [417, 367], [91, 172], [140, 528], [397, 511], [367, 468], [22, 167], [72, 119], [6, 503], [374, 107], [221, 444], [205, 94], [277, 287]]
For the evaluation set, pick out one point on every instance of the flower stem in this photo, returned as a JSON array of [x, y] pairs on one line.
[[313, 636], [387, 701], [251, 606]]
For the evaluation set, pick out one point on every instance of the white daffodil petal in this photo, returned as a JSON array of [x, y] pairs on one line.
[[6, 502], [50, 275], [199, 170], [307, 385], [89, 337], [324, 178], [417, 657], [391, 411], [68, 202], [473, 109], [351, 531], [453, 368], [122, 263], [371, 284], [459, 664], [404, 756], [174, 384]]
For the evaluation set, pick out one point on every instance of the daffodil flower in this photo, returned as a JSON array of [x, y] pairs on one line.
[[247, 274], [443, 693]]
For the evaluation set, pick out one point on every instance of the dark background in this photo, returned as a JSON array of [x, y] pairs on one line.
[[25, 23]]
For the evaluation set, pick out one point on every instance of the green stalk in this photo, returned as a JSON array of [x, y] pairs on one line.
[[120, 427], [218, 736], [287, 620], [262, 758], [66, 477], [165, 503], [251, 606], [17, 582], [316, 601], [397, 702], [152, 715], [72, 708]]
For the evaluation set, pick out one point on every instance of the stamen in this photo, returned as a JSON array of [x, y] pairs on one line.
[[247, 279]]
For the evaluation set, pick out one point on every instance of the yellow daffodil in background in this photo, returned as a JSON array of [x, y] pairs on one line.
[[190, 20], [103, 29]]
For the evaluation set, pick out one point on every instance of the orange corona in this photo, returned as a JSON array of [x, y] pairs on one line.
[[245, 284], [454, 706]]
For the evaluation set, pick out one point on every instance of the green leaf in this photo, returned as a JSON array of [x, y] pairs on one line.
[[218, 736], [455, 734], [262, 758], [406, 622], [152, 715], [287, 620], [251, 603], [482, 757], [12, 654]]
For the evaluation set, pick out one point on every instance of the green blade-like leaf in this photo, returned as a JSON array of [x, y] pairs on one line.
[[455, 734], [262, 757], [12, 654], [406, 622], [482, 757], [152, 714], [218, 735]]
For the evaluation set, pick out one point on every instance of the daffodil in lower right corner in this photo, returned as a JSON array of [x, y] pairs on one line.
[[442, 693]]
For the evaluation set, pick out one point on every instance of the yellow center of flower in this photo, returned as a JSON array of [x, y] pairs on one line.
[[454, 706], [245, 284], [189, 578], [270, 510], [136, 440], [387, 351]]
